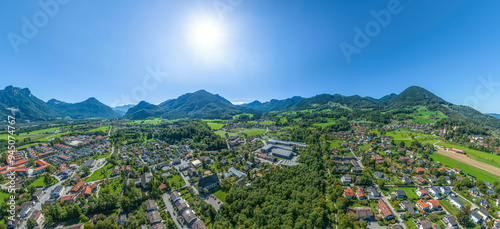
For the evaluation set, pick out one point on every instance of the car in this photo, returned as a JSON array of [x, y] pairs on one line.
[[210, 195], [218, 202], [215, 198]]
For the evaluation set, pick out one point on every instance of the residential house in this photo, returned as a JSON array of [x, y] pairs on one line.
[[475, 217], [151, 205], [422, 205], [365, 213], [434, 205], [348, 193], [153, 217], [360, 194], [456, 202], [346, 179], [122, 217], [450, 221], [409, 206], [57, 192]]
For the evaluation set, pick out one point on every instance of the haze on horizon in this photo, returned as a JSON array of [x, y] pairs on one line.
[[251, 50]]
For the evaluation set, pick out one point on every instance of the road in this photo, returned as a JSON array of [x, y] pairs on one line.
[[171, 210]]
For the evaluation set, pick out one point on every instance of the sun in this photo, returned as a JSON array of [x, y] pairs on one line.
[[206, 35]]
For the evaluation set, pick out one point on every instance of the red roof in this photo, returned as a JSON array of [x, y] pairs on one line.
[[87, 190], [434, 203], [422, 204], [259, 174], [68, 197], [163, 186], [78, 186], [348, 192], [384, 208]]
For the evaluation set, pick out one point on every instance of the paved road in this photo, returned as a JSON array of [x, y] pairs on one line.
[[171, 210]]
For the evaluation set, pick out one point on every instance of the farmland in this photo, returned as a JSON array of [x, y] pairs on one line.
[[477, 155], [466, 167]]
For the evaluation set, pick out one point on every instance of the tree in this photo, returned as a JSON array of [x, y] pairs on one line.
[[86, 170], [464, 215], [47, 179], [88, 225], [31, 224]]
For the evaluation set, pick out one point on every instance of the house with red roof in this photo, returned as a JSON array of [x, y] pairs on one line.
[[348, 193], [422, 205]]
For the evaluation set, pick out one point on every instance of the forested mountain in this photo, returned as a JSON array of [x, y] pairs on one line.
[[415, 96], [494, 115], [34, 109], [122, 110], [200, 104], [90, 108], [30, 107], [274, 104], [329, 101], [388, 97]]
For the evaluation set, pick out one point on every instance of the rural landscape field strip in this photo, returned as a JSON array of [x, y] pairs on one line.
[[467, 160]]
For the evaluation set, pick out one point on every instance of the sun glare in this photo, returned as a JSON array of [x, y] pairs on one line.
[[206, 36]]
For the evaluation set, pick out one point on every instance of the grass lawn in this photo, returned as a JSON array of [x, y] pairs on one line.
[[410, 191], [40, 183], [215, 126], [101, 173], [450, 208], [466, 169], [221, 195], [104, 155], [176, 181]]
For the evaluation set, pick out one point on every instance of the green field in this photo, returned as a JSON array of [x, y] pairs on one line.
[[253, 131], [99, 174], [102, 128], [215, 126], [329, 122], [147, 121], [466, 169], [220, 195], [477, 155], [40, 183]]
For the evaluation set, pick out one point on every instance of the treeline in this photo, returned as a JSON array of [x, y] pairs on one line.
[[289, 197], [195, 130]]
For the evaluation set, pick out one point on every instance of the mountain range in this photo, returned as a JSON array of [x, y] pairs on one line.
[[34, 109], [202, 104]]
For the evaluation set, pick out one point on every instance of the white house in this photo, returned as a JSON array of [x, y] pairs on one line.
[[456, 202]]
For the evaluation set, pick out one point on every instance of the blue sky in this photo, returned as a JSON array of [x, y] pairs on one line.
[[264, 49]]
